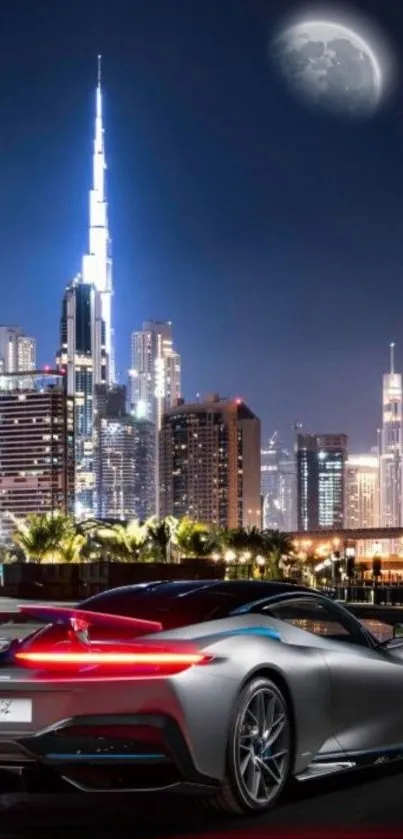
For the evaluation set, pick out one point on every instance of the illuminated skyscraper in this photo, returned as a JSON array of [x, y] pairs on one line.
[[86, 336], [155, 384], [144, 459], [82, 356], [156, 371], [391, 448], [321, 481], [210, 463], [97, 263], [278, 487], [36, 447], [114, 455], [17, 353], [362, 491]]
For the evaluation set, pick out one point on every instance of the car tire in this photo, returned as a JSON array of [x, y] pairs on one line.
[[252, 751]]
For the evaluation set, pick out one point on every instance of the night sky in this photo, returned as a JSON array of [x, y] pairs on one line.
[[271, 236]]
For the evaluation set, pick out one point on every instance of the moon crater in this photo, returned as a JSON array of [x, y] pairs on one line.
[[331, 66]]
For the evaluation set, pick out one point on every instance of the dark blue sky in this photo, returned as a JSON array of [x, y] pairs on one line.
[[270, 236]]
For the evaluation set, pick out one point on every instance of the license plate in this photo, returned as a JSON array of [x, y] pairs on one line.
[[15, 710]]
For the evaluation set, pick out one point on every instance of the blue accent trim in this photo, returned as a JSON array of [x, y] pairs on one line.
[[373, 754], [75, 757], [379, 750], [263, 631], [243, 610]]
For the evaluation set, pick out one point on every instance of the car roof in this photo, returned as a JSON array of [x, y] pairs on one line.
[[245, 590], [179, 603]]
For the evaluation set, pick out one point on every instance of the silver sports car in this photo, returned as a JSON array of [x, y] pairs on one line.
[[225, 689]]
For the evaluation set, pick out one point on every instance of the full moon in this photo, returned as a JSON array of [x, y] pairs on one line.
[[331, 66]]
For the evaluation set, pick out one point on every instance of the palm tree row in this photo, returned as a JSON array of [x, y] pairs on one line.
[[58, 538]]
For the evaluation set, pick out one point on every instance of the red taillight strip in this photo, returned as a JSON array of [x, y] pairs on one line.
[[175, 659]]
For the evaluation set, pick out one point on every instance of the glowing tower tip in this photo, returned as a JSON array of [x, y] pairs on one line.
[[392, 357]]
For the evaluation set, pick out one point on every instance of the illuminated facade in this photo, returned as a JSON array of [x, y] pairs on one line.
[[144, 458], [97, 263], [82, 356], [114, 464], [362, 491], [36, 448], [17, 354], [391, 448], [321, 481], [210, 463], [115, 468], [156, 371], [278, 487], [155, 383], [86, 335]]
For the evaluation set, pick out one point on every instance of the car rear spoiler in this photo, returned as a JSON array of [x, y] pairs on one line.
[[77, 650], [80, 620]]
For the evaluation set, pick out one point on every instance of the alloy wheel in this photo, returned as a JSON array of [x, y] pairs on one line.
[[262, 746]]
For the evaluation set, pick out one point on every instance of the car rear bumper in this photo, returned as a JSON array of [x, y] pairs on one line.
[[195, 704], [136, 752]]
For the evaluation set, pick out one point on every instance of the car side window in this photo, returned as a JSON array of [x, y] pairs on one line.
[[317, 618]]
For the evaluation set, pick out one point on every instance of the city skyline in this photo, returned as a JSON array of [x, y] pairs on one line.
[[97, 272], [166, 246]]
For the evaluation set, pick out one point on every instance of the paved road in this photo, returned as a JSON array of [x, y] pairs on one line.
[[366, 804], [11, 604], [10, 629]]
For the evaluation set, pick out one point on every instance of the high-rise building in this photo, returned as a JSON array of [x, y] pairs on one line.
[[110, 400], [124, 458], [17, 353], [391, 448], [115, 468], [144, 460], [114, 454], [210, 463], [156, 371], [82, 356], [97, 263], [321, 481], [361, 491], [278, 486], [36, 448], [155, 382], [86, 341]]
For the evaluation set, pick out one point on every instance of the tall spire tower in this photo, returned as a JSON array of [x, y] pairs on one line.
[[97, 263], [391, 448]]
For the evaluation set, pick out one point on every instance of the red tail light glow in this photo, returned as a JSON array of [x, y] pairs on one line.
[[109, 658], [161, 662]]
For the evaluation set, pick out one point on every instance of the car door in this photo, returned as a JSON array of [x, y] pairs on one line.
[[366, 681]]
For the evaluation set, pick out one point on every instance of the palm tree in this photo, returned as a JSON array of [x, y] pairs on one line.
[[237, 539], [246, 541], [7, 555], [91, 550], [160, 538], [280, 549], [197, 540], [126, 540], [41, 535], [104, 542], [71, 548], [112, 541], [194, 539]]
